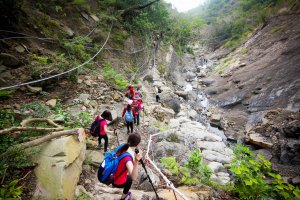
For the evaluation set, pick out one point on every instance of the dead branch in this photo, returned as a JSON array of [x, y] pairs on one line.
[[40, 140], [135, 9], [25, 122]]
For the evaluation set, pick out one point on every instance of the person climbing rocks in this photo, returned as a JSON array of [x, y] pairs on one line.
[[129, 114], [105, 116], [130, 92], [127, 170], [137, 106], [138, 93], [157, 92]]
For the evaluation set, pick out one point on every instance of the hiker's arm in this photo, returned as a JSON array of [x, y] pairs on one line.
[[123, 112], [106, 130], [133, 169]]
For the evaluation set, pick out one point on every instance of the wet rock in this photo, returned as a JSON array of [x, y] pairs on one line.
[[258, 139], [34, 89], [9, 60], [20, 49], [51, 103], [265, 152]]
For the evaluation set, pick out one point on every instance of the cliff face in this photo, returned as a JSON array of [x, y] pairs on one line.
[[263, 73]]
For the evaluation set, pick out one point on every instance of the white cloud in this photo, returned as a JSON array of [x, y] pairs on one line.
[[185, 5]]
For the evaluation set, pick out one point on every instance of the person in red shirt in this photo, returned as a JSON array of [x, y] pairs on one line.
[[127, 170], [130, 92], [106, 115], [128, 111]]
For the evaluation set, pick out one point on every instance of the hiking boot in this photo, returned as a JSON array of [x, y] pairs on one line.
[[128, 196]]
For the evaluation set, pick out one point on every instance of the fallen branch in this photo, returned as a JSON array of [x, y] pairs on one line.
[[40, 140], [25, 122]]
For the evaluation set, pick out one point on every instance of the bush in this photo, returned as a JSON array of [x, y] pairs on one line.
[[38, 109], [111, 75], [192, 172], [11, 191], [254, 178], [162, 69]]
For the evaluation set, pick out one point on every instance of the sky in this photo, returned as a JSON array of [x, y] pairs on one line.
[[185, 5]]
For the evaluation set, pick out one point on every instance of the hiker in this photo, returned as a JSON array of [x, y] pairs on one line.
[[137, 106], [127, 170], [130, 92], [157, 92], [138, 93], [106, 115], [129, 113]]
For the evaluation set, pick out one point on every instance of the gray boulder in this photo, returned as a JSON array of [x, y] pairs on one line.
[[9, 60]]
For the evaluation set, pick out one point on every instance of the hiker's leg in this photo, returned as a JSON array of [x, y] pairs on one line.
[[131, 126], [106, 142], [127, 186], [99, 140], [157, 98], [138, 119], [127, 124]]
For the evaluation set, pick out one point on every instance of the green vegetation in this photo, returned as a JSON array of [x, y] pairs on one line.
[[82, 197], [6, 93], [254, 179], [173, 138], [36, 109], [11, 190], [162, 69], [232, 21], [192, 172], [111, 75]]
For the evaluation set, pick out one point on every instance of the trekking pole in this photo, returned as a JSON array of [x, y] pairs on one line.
[[115, 132], [143, 165]]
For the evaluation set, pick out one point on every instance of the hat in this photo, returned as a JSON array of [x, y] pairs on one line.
[[129, 102], [129, 85]]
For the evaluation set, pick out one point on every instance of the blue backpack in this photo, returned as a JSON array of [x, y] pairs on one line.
[[108, 167], [128, 116]]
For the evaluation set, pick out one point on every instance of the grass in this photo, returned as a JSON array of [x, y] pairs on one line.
[[113, 76]]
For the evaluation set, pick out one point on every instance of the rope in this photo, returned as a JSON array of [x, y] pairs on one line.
[[68, 71], [168, 182]]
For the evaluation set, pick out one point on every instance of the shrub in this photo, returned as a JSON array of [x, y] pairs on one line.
[[111, 75], [254, 178], [11, 191], [170, 164], [162, 69], [40, 110]]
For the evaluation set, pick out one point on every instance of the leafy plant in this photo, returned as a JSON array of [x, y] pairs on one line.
[[162, 69], [111, 75], [194, 171], [170, 164], [84, 119], [173, 138], [38, 109], [6, 93], [254, 178], [11, 191]]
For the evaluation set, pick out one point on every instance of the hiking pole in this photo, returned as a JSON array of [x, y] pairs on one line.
[[143, 165], [115, 132]]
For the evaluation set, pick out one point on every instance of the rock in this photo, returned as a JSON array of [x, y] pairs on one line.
[[95, 18], [258, 139], [265, 152], [2, 68], [94, 157], [216, 167], [215, 120], [34, 89], [69, 32], [81, 190], [242, 65], [84, 15], [290, 152], [171, 102], [162, 114], [117, 96], [165, 149], [20, 49], [296, 180], [83, 97], [148, 78], [193, 114], [190, 76], [51, 103], [207, 82], [9, 60], [182, 94], [216, 156], [88, 83], [59, 168], [214, 146]]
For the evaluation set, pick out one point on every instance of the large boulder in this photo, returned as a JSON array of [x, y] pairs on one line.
[[9, 60], [166, 149], [163, 114], [170, 100], [59, 168], [258, 139]]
